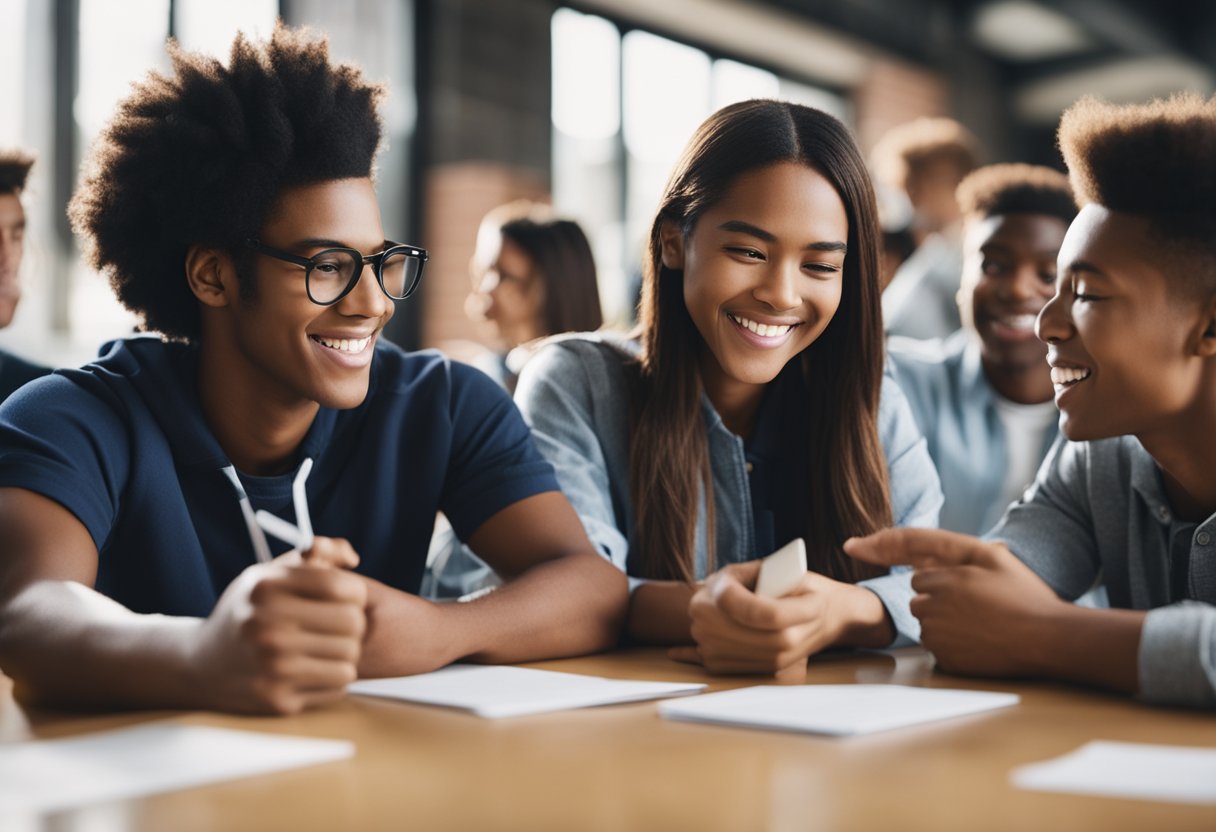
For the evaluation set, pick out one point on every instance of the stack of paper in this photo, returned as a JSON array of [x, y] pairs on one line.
[[50, 775], [496, 691], [838, 710]]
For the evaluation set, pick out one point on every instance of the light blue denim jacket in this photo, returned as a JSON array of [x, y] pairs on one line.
[[955, 407], [573, 394]]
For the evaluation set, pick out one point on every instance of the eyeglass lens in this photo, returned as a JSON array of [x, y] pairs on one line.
[[333, 271]]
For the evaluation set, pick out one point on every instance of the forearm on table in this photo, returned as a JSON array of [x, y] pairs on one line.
[[658, 613], [862, 619], [65, 644], [568, 606], [1097, 647]]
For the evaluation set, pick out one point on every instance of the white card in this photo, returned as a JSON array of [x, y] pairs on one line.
[[1180, 774], [52, 775], [782, 570], [500, 691], [838, 710]]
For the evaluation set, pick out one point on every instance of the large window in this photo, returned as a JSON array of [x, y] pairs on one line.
[[624, 105], [120, 42], [67, 310], [68, 64]]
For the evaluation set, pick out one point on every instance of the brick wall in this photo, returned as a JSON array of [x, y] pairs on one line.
[[457, 196], [893, 93]]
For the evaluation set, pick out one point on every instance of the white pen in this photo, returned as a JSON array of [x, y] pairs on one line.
[[261, 548], [298, 536], [300, 498], [281, 529]]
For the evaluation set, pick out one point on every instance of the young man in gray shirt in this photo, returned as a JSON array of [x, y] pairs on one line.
[[1128, 493]]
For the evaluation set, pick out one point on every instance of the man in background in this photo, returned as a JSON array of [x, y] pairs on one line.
[[927, 159]]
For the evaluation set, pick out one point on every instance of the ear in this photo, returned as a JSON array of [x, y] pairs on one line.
[[210, 273], [671, 241], [1207, 339]]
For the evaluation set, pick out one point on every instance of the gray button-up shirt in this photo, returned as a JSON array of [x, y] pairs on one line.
[[573, 393], [1100, 507]]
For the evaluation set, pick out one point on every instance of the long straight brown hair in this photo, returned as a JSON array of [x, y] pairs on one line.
[[669, 466]]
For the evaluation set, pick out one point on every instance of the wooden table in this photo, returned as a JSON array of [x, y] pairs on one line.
[[623, 768]]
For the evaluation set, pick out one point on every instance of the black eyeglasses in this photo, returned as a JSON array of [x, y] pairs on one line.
[[331, 274]]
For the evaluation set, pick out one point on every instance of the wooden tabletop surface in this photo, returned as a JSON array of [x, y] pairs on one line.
[[621, 767]]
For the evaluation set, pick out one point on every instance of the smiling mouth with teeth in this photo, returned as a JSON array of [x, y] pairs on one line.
[[763, 330], [1018, 321], [1068, 375], [350, 345]]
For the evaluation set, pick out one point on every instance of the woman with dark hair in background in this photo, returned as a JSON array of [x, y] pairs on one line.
[[750, 408], [533, 275]]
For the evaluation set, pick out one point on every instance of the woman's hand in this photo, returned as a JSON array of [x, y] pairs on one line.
[[737, 631]]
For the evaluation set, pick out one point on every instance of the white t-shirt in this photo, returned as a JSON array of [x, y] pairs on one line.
[[1026, 427]]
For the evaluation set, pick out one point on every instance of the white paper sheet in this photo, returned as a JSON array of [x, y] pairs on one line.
[[497, 691], [50, 775], [837, 710], [1125, 769]]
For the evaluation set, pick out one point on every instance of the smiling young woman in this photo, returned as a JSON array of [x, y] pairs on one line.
[[750, 407]]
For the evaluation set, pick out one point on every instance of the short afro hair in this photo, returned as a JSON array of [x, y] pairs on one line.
[[200, 157], [1154, 160], [14, 169], [996, 190], [907, 150]]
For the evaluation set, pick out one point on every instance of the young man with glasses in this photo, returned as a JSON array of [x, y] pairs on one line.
[[233, 208]]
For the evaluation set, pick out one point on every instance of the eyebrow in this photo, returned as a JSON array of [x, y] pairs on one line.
[[1086, 267], [768, 237]]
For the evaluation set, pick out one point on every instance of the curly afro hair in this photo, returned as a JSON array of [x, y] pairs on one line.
[[996, 190], [199, 158], [1155, 160], [14, 169]]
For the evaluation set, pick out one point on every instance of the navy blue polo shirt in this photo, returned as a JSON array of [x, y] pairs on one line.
[[122, 444]]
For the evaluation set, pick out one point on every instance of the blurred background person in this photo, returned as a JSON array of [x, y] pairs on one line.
[[898, 242], [927, 159], [983, 397], [533, 275], [14, 170]]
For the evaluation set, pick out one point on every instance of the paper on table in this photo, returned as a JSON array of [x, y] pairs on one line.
[[496, 691], [1126, 769], [838, 710], [50, 775]]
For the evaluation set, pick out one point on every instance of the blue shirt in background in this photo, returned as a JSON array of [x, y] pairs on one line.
[[955, 407], [15, 371]]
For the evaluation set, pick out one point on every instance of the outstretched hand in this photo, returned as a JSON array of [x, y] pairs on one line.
[[982, 611]]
